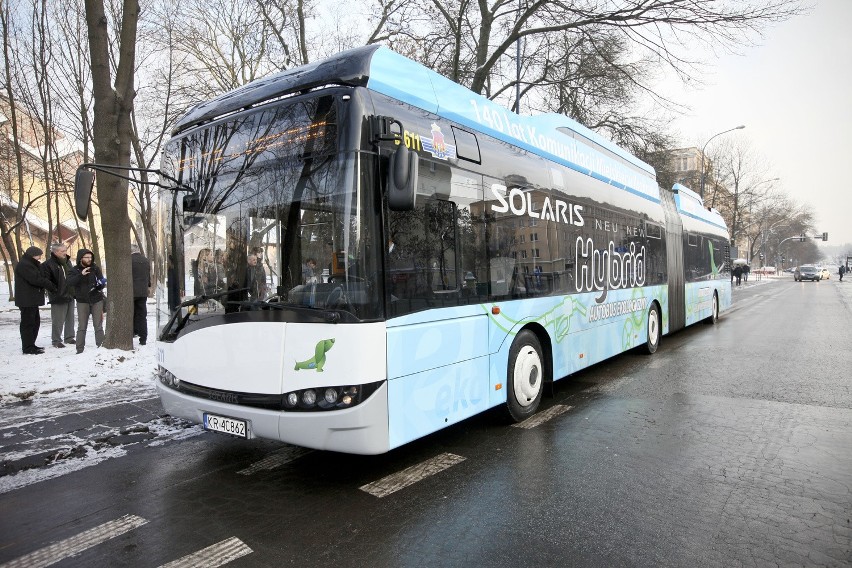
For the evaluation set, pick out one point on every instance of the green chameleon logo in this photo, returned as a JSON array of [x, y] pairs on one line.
[[318, 360]]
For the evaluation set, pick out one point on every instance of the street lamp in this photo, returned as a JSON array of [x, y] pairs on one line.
[[703, 173]]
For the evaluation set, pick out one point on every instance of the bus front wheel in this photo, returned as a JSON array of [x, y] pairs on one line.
[[525, 376], [654, 330]]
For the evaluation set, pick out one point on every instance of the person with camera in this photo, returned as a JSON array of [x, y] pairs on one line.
[[87, 281]]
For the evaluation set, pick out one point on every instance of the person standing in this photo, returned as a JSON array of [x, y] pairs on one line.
[[56, 269], [30, 284], [255, 279], [842, 271], [88, 282], [141, 270]]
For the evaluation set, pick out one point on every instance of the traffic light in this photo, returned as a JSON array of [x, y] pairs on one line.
[[825, 236], [761, 256], [783, 258]]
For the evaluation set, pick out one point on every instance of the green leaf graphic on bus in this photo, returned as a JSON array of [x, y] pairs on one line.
[[714, 269], [318, 360], [558, 318]]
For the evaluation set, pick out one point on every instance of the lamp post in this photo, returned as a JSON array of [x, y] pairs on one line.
[[703, 173]]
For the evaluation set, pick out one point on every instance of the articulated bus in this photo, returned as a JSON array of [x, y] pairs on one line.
[[359, 252]]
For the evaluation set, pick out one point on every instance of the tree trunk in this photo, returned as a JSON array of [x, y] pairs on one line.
[[112, 134]]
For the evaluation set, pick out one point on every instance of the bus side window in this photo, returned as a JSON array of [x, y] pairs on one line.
[[422, 259]]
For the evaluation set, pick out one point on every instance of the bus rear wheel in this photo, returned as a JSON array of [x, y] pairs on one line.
[[714, 316], [525, 376], [652, 343]]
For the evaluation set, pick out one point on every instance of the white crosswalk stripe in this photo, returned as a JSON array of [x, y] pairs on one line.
[[76, 544], [218, 554], [411, 475], [276, 459], [542, 417]]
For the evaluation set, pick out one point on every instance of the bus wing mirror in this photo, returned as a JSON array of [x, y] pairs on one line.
[[402, 179], [84, 182], [191, 203]]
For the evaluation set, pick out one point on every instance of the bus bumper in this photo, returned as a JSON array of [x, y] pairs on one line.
[[362, 429]]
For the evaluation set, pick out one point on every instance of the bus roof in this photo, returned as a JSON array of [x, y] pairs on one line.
[[553, 136], [691, 204]]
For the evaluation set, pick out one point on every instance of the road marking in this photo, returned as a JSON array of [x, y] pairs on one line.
[[542, 417], [411, 475], [76, 544], [218, 554], [276, 459]]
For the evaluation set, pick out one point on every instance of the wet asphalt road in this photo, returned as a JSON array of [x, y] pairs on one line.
[[731, 446]]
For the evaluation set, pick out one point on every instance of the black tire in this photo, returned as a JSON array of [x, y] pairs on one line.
[[713, 318], [654, 328], [525, 376]]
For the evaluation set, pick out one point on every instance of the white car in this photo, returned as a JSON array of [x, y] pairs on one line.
[[824, 273]]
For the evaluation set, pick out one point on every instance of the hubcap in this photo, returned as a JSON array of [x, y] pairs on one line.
[[653, 327], [527, 376]]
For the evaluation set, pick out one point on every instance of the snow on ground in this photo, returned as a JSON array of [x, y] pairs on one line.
[[60, 381], [37, 389]]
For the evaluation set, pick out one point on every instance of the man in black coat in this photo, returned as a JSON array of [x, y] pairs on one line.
[[30, 284], [141, 270], [56, 269], [87, 282]]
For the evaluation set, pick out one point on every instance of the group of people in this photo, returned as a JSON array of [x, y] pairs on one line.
[[81, 284], [740, 273], [209, 274]]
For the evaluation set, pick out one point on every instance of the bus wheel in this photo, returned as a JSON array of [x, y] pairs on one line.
[[654, 331], [714, 316], [525, 376]]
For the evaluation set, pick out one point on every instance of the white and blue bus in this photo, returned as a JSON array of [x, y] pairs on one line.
[[362, 252]]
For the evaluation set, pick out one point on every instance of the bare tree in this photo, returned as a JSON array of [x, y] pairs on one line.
[[777, 217], [113, 131], [742, 184]]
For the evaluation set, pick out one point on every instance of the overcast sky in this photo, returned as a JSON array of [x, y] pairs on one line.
[[794, 94]]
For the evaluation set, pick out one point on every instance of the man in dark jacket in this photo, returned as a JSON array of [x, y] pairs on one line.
[[141, 270], [30, 284], [88, 283], [56, 269]]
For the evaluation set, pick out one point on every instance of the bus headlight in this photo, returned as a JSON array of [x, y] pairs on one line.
[[328, 398], [167, 377], [309, 397], [291, 400]]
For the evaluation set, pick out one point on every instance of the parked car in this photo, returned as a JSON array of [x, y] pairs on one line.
[[824, 273], [807, 272]]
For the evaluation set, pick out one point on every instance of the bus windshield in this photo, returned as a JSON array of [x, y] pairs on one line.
[[279, 217]]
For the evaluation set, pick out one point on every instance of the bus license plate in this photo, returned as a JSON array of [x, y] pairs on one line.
[[226, 425]]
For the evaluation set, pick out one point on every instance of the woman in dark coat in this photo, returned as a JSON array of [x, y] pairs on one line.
[[30, 284]]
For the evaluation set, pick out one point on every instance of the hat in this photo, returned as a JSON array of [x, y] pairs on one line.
[[34, 252]]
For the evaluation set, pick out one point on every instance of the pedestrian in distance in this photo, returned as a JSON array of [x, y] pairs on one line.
[[88, 283], [141, 269], [738, 274], [746, 271], [56, 269], [842, 271], [30, 284]]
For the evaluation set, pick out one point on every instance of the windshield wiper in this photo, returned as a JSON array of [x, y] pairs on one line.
[[257, 304], [193, 302]]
